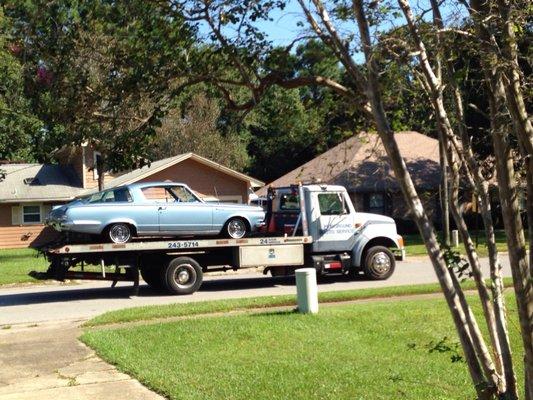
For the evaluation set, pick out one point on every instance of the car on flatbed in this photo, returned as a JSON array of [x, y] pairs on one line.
[[154, 209]]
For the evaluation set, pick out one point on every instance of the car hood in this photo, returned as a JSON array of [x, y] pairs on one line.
[[366, 217]]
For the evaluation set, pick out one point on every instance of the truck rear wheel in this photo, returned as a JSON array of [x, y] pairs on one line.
[[183, 275], [152, 276], [379, 263]]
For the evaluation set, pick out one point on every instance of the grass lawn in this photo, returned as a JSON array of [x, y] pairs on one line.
[[414, 245], [15, 264], [377, 350], [146, 313]]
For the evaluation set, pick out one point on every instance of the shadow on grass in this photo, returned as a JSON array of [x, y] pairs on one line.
[[279, 313]]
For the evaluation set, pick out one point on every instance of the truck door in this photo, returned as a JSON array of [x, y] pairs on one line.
[[334, 219]]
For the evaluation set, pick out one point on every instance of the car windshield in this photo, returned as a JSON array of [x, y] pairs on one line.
[[169, 194], [183, 195]]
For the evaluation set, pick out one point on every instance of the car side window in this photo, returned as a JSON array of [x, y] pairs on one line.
[[122, 195], [157, 194], [332, 204], [97, 197]]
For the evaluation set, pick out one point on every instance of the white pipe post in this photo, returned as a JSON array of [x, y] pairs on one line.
[[455, 238], [307, 291]]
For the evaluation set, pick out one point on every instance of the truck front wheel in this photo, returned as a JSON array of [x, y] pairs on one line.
[[183, 275], [379, 263]]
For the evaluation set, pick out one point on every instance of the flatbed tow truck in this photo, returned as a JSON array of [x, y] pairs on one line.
[[306, 225]]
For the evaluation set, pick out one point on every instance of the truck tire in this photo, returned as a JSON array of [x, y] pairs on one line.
[[183, 275], [379, 263], [152, 276]]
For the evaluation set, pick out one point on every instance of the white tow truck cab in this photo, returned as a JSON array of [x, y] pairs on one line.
[[344, 240], [306, 225]]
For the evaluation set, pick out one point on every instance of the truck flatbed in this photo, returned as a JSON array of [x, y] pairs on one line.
[[189, 244]]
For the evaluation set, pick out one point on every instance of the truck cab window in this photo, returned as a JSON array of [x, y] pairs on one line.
[[332, 204], [289, 202]]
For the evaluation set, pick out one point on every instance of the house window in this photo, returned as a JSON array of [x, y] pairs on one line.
[[378, 203], [31, 214]]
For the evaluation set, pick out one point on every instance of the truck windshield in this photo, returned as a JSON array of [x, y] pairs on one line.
[[331, 204]]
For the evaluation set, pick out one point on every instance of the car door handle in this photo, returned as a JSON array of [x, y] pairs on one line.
[[161, 208]]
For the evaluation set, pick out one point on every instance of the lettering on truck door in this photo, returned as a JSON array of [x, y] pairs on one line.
[[336, 221]]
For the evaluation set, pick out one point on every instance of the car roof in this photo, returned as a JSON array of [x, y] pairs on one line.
[[151, 184]]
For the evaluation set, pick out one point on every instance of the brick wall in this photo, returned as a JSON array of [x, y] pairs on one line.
[[17, 236], [203, 180]]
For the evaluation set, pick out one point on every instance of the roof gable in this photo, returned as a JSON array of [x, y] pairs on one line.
[[361, 164], [156, 166]]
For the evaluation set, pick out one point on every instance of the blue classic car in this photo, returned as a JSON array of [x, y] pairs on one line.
[[154, 209]]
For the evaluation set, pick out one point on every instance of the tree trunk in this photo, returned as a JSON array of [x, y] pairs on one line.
[[492, 62], [493, 372], [481, 189], [413, 201], [524, 132], [436, 93], [444, 197], [100, 172], [514, 229]]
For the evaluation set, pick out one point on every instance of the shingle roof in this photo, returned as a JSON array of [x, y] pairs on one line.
[[361, 164], [156, 166], [50, 183]]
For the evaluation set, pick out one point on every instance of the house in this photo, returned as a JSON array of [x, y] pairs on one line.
[[29, 191], [361, 165]]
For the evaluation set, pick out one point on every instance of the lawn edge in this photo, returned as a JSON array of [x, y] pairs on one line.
[[211, 307]]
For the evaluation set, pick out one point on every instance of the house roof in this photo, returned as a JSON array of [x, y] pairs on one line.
[[38, 182], [361, 164], [156, 166]]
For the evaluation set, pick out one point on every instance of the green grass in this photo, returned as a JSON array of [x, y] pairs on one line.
[[15, 264], [209, 307], [414, 245], [377, 350]]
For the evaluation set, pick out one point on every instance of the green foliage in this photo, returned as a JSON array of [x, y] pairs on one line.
[[193, 126], [102, 70], [18, 126]]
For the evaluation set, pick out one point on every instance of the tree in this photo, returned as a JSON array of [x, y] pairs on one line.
[[196, 130], [363, 89], [18, 125], [107, 71]]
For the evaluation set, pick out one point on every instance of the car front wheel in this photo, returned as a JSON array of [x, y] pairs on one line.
[[119, 233], [236, 228]]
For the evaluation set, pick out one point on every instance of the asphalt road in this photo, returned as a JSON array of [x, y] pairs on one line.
[[59, 302]]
